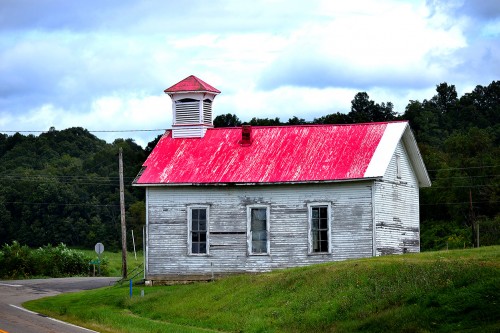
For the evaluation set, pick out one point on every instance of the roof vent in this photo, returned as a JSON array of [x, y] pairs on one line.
[[246, 135]]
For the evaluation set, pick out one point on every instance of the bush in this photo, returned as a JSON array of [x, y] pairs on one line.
[[15, 261], [441, 235], [18, 261], [489, 231]]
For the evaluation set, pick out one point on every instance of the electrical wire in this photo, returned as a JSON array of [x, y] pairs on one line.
[[93, 131]]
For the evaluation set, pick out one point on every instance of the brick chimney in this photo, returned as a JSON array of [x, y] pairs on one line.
[[246, 135]]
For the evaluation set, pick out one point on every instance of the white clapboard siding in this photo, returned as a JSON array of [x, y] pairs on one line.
[[351, 227], [397, 208]]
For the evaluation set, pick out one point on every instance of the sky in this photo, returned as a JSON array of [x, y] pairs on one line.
[[103, 65]]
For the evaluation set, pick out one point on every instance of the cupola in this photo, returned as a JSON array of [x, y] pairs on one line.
[[191, 107]]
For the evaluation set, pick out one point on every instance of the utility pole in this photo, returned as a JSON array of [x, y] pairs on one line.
[[122, 213]]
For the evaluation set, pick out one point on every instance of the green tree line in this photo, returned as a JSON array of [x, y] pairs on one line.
[[459, 139], [63, 186]]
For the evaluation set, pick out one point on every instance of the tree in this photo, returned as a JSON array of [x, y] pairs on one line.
[[364, 110], [334, 118], [227, 120], [265, 122], [296, 121]]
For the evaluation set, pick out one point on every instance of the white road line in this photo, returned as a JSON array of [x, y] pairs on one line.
[[53, 319], [11, 285]]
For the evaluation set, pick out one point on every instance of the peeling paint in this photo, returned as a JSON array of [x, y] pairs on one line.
[[277, 154]]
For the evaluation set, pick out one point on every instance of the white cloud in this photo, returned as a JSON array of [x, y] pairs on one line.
[[103, 66]]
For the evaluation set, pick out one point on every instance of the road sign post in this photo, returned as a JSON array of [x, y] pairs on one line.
[[99, 248]]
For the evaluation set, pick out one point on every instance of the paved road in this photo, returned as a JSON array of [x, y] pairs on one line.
[[14, 319]]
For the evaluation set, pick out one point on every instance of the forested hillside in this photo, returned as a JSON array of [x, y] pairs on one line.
[[62, 186]]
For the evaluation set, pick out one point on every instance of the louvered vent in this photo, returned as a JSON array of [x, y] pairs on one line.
[[187, 111], [207, 112], [192, 101]]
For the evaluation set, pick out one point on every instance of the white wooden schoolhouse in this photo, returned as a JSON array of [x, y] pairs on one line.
[[252, 199]]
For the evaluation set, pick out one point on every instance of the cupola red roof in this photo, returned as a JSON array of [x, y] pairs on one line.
[[191, 83]]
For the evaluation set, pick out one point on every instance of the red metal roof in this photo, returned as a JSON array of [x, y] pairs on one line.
[[277, 154], [191, 83]]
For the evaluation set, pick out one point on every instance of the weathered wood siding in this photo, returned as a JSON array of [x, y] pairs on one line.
[[397, 208], [167, 230]]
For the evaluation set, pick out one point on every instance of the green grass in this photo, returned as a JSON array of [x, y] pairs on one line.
[[112, 261], [452, 291]]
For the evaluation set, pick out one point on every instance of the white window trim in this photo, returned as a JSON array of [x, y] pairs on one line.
[[398, 166], [249, 234], [189, 239], [309, 227]]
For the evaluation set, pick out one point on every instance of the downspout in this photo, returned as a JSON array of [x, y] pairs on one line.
[[374, 233]]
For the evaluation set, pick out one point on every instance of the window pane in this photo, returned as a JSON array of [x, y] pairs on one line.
[[319, 228], [258, 229], [259, 214], [202, 225], [323, 224], [195, 214], [258, 225], [259, 235], [199, 230], [259, 247], [202, 213]]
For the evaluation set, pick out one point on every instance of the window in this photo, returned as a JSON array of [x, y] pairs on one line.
[[398, 166], [319, 228], [258, 229], [198, 230]]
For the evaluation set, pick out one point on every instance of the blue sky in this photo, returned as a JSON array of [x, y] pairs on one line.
[[103, 65]]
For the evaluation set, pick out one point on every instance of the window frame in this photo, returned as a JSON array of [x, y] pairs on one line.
[[190, 223], [310, 207], [398, 166], [249, 231]]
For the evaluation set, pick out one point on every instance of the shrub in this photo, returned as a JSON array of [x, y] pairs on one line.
[[18, 261], [15, 261]]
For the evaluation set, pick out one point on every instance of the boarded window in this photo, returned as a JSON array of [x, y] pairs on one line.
[[398, 166], [198, 235], [319, 229], [258, 231]]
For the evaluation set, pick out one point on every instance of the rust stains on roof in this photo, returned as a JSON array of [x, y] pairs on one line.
[[307, 153]]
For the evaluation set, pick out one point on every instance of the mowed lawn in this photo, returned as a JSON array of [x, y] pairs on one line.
[[448, 291]]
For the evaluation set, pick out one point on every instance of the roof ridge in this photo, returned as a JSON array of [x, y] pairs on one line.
[[192, 83], [313, 125]]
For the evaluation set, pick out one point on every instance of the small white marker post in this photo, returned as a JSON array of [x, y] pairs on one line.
[[99, 248]]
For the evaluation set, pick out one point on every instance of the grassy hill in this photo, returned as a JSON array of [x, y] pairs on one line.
[[449, 291]]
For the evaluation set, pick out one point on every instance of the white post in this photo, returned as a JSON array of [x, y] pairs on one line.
[[133, 242]]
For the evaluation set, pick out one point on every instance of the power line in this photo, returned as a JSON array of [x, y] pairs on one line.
[[478, 167], [466, 177], [57, 204], [457, 203], [92, 131]]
